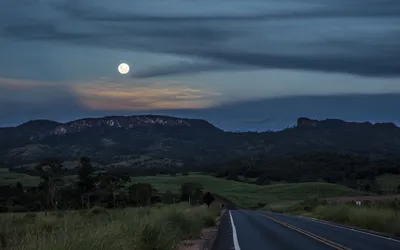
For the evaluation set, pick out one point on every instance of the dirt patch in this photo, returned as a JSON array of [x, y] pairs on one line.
[[203, 242]]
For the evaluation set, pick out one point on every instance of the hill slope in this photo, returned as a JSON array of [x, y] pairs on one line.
[[249, 195], [124, 139]]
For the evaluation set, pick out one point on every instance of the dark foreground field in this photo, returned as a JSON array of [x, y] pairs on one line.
[[154, 228]]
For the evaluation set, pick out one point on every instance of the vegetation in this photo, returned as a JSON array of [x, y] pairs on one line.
[[386, 220], [131, 228], [11, 178], [249, 195], [389, 183], [109, 189], [354, 171], [376, 215]]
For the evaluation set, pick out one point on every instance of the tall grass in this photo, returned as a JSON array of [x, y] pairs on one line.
[[372, 218], [99, 229]]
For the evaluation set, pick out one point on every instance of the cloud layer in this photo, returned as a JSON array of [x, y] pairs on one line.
[[22, 100], [347, 36]]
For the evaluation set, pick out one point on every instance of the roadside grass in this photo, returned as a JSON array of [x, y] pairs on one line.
[[370, 218], [381, 216], [97, 229], [247, 195], [389, 183]]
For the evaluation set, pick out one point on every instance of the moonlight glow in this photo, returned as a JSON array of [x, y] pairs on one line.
[[123, 68]]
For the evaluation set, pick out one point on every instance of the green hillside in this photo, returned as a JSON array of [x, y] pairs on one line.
[[241, 193], [11, 178], [249, 195]]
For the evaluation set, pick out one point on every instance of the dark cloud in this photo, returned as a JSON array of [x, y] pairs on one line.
[[181, 68], [20, 102], [365, 41]]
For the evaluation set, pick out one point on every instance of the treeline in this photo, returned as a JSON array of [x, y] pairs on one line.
[[109, 189], [351, 170]]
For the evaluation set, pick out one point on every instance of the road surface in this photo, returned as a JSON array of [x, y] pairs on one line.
[[257, 230]]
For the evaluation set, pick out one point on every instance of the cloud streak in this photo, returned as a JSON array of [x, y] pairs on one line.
[[352, 36], [120, 97]]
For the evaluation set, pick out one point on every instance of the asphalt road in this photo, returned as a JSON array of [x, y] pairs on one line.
[[256, 230]]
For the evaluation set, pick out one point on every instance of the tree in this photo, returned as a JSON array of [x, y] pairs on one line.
[[112, 182], [141, 193], [191, 192], [263, 180], [232, 176], [208, 198], [168, 197], [85, 180], [19, 186], [85, 174], [51, 170]]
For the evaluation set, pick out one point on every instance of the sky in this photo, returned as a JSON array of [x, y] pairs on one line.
[[240, 64]]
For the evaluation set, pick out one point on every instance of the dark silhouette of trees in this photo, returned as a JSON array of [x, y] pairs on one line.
[[168, 197], [19, 186], [233, 176], [112, 183], [191, 192], [86, 180], [141, 193], [51, 171], [208, 198]]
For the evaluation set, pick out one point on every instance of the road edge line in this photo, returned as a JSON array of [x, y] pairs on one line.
[[234, 235], [332, 224]]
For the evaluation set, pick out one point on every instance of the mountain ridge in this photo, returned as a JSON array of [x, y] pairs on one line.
[[124, 139]]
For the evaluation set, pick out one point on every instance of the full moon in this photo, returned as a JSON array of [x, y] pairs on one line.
[[123, 68]]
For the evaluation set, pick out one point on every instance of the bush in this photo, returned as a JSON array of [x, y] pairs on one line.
[[209, 220], [154, 237]]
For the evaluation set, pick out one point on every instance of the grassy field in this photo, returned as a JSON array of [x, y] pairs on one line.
[[132, 228], [11, 178], [389, 183], [249, 195]]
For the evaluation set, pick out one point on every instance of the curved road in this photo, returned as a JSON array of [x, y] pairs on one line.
[[257, 230]]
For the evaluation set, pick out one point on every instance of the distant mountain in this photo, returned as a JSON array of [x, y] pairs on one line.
[[150, 140]]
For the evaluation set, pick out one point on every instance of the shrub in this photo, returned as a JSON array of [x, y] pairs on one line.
[[209, 220]]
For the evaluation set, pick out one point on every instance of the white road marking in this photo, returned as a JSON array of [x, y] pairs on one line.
[[350, 229], [235, 239]]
